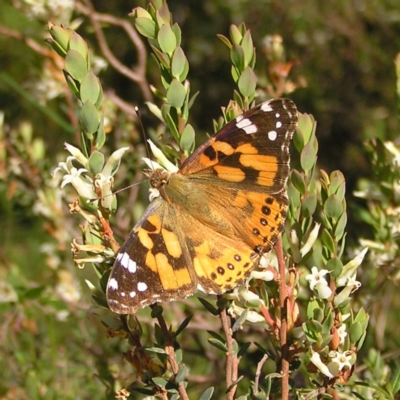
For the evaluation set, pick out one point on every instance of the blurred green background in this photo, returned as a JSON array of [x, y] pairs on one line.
[[343, 57]]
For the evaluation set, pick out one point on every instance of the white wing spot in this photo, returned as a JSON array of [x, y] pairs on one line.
[[122, 294], [113, 284], [272, 135], [266, 107], [127, 262], [141, 286], [247, 126], [132, 294], [278, 125], [199, 287], [239, 118], [277, 115]]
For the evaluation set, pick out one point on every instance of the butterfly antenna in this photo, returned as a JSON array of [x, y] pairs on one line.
[[116, 192], [146, 144]]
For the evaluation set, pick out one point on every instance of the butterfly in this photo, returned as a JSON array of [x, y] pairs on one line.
[[214, 218]]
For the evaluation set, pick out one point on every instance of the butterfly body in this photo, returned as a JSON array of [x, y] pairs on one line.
[[214, 218]]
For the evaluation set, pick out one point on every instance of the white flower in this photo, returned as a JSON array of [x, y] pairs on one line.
[[82, 184], [113, 162], [350, 268], [160, 156], [342, 333], [77, 154], [351, 286], [266, 275], [316, 277], [310, 241], [249, 296], [252, 316], [339, 361], [316, 360], [319, 283], [105, 183]]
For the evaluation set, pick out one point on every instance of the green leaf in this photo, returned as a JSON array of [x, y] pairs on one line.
[[235, 34], [90, 88], [355, 332], [170, 122], [309, 205], [146, 27], [187, 140], [208, 306], [167, 39], [237, 57], [333, 207], [306, 125], [225, 40], [160, 382], [248, 48], [176, 94], [179, 65], [77, 43], [298, 182], [96, 162], [340, 226], [33, 294], [76, 65], [335, 267], [155, 350], [100, 135], [247, 82], [395, 381], [183, 325], [89, 117], [61, 37], [308, 157], [182, 373], [207, 394], [72, 84], [218, 344], [243, 349], [327, 240]]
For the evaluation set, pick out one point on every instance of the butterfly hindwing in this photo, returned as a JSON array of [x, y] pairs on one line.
[[151, 266]]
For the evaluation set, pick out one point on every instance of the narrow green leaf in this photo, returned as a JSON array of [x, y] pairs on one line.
[[183, 325], [218, 344], [395, 381], [155, 350], [208, 306]]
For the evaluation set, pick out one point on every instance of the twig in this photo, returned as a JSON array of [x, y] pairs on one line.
[[283, 299], [139, 74], [232, 361], [258, 373], [170, 351]]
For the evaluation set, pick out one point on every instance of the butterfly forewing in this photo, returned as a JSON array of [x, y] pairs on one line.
[[216, 216]]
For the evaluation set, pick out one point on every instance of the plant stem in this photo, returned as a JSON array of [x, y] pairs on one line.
[[283, 300]]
